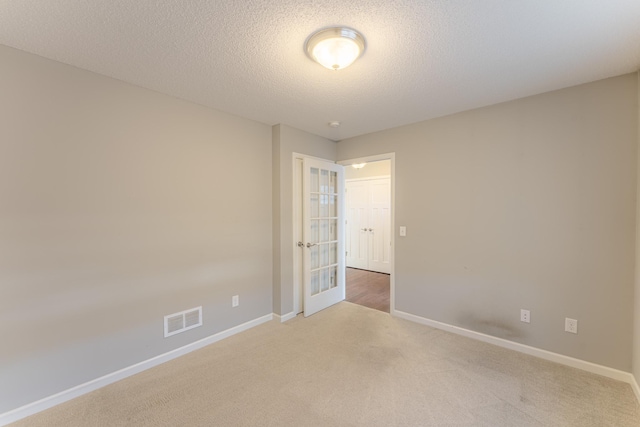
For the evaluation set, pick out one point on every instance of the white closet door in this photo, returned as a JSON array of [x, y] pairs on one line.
[[368, 239], [357, 241], [379, 225]]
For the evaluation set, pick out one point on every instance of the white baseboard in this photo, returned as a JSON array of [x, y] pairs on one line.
[[284, 317], [79, 390], [594, 368], [635, 387]]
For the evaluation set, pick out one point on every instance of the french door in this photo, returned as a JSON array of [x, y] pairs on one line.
[[323, 235]]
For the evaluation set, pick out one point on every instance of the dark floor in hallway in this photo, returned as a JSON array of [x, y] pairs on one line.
[[368, 288]]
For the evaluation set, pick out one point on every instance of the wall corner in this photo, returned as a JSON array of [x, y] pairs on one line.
[[276, 218]]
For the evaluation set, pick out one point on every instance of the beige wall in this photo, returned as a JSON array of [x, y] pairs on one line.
[[379, 168], [118, 206], [286, 141], [526, 204]]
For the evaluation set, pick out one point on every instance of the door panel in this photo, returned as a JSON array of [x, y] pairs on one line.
[[323, 235], [380, 223], [357, 221], [369, 224]]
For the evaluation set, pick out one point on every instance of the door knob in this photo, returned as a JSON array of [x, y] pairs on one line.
[[364, 229], [300, 245], [310, 244], [371, 229]]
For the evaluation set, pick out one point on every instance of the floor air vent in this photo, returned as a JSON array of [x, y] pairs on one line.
[[183, 321]]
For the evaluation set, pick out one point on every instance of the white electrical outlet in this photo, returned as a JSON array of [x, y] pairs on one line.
[[525, 316], [235, 301], [571, 325]]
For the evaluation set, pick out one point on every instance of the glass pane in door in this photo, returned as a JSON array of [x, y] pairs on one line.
[[324, 279], [314, 257], [314, 205], [324, 255], [324, 205], [333, 182], [315, 283], [314, 186], [333, 208], [324, 181], [333, 230], [333, 253], [324, 230], [315, 233], [333, 278]]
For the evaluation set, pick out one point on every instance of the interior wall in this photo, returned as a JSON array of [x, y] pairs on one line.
[[528, 204], [286, 141], [119, 206], [371, 169]]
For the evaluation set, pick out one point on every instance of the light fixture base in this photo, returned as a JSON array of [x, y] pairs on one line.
[[335, 48]]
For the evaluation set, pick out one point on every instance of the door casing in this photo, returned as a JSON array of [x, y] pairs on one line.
[[297, 222], [392, 158]]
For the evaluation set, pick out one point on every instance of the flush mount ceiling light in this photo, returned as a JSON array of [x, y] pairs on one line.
[[335, 48], [358, 165]]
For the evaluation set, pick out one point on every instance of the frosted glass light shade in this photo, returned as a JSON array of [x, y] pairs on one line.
[[335, 48]]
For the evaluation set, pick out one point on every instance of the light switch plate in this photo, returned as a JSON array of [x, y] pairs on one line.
[[403, 231]]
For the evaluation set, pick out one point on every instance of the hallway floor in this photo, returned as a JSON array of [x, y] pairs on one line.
[[368, 288]]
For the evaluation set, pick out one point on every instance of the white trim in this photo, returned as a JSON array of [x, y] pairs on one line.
[[594, 368], [635, 387], [392, 158], [284, 317], [367, 159], [297, 233], [58, 398], [303, 156], [367, 178]]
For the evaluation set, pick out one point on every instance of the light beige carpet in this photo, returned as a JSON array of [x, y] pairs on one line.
[[352, 366]]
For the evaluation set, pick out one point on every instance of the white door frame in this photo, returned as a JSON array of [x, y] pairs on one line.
[[297, 234], [392, 158], [297, 222]]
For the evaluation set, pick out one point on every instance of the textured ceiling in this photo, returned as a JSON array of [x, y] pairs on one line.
[[424, 59]]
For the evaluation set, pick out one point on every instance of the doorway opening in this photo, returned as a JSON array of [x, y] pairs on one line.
[[376, 282], [368, 234]]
